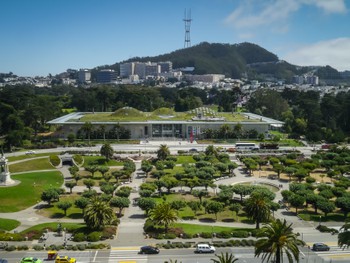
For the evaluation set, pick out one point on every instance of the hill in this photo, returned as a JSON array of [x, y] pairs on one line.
[[236, 61]]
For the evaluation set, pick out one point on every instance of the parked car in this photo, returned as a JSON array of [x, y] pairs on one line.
[[30, 260], [193, 150], [65, 259], [320, 247], [30, 152], [3, 260], [204, 248], [149, 250]]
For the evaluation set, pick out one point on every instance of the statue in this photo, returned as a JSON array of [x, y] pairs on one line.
[[5, 178]]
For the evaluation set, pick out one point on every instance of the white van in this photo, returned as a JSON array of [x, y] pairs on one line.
[[204, 248]]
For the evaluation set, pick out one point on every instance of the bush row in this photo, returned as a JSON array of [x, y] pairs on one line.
[[229, 243], [60, 247], [223, 234]]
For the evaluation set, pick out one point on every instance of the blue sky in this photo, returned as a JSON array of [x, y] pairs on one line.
[[39, 37]]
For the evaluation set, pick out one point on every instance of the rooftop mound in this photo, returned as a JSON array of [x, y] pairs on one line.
[[127, 111], [164, 111]]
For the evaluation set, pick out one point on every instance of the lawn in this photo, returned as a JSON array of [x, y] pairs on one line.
[[181, 159], [28, 192], [8, 224], [31, 165], [24, 156], [186, 213], [54, 212], [195, 229]]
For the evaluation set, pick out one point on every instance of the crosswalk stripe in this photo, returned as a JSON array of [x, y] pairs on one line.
[[126, 255]]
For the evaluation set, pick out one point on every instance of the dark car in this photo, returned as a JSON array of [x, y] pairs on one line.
[[3, 260], [193, 150], [320, 247], [149, 250]]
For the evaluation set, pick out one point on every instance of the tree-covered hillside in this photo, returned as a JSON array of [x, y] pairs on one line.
[[206, 58], [246, 60]]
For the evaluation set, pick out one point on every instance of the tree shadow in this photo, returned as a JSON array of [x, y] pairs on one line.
[[228, 220], [76, 216], [207, 220]]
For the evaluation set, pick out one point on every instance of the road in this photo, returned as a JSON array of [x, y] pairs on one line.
[[130, 255]]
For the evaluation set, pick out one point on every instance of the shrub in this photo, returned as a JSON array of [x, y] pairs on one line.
[[179, 245], [79, 237], [244, 242], [206, 235], [10, 248], [224, 234], [38, 247], [108, 232], [149, 226], [22, 247], [187, 235], [235, 242], [240, 234], [159, 236], [78, 159], [251, 242], [70, 247], [81, 247], [254, 232], [94, 236], [55, 160], [53, 247], [310, 180], [166, 246], [170, 236], [187, 245], [11, 237], [228, 244]]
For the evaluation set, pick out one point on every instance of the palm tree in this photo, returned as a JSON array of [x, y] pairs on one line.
[[277, 239], [103, 130], [98, 213], [163, 152], [224, 258], [163, 214], [257, 208], [87, 128]]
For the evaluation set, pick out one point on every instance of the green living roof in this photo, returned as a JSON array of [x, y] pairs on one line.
[[129, 114]]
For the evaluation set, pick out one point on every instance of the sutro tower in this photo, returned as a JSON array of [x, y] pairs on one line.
[[187, 19]]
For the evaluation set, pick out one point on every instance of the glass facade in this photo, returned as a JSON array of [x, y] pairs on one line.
[[167, 130]]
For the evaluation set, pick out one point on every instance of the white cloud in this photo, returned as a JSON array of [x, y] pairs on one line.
[[334, 52], [329, 6], [257, 13], [247, 16]]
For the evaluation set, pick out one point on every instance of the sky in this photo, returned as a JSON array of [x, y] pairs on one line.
[[41, 37]]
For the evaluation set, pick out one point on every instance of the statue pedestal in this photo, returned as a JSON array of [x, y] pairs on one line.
[[5, 178]]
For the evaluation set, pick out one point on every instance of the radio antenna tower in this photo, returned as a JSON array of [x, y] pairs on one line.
[[187, 19]]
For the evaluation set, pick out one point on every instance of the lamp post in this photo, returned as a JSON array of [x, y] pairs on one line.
[[319, 222]]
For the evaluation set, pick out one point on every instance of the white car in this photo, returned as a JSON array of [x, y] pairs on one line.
[[204, 248], [30, 152]]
